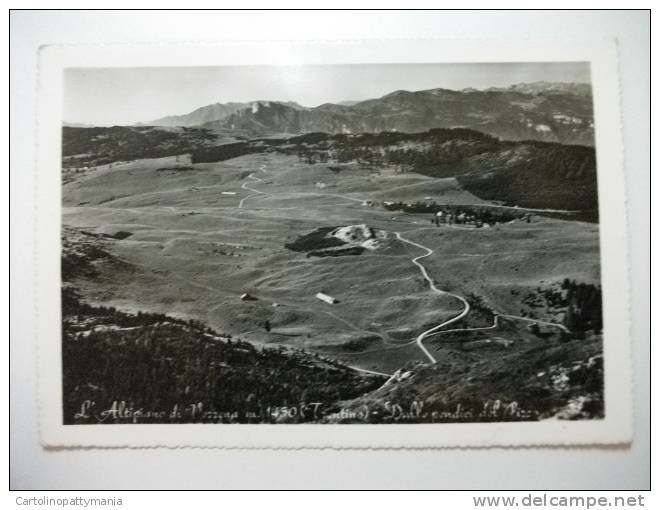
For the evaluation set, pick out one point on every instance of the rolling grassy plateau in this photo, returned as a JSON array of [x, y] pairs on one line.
[[243, 246]]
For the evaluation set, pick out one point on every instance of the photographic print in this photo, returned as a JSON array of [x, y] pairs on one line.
[[337, 244]]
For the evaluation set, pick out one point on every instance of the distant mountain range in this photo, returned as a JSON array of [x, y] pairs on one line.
[[554, 112], [211, 113]]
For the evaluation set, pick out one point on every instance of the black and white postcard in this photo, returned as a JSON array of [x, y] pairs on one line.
[[393, 244]]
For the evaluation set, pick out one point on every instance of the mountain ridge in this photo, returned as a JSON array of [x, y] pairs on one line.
[[209, 113], [544, 111]]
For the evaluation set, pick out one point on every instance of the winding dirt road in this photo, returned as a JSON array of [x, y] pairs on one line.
[[420, 338], [254, 191], [435, 330], [466, 306]]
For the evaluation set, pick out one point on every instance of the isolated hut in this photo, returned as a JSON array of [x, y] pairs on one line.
[[325, 298]]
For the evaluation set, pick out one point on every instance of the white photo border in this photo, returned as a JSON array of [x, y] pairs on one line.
[[615, 428]]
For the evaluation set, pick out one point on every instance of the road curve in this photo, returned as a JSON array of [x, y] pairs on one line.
[[466, 306], [420, 338], [254, 191]]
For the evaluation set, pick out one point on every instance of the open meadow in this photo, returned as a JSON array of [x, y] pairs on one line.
[[242, 245]]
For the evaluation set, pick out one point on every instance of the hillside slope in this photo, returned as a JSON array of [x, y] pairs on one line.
[[167, 369], [530, 174], [533, 382]]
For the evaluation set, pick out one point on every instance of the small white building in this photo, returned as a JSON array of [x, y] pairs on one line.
[[325, 298]]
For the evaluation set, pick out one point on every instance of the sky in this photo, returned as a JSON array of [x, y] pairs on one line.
[[124, 96]]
